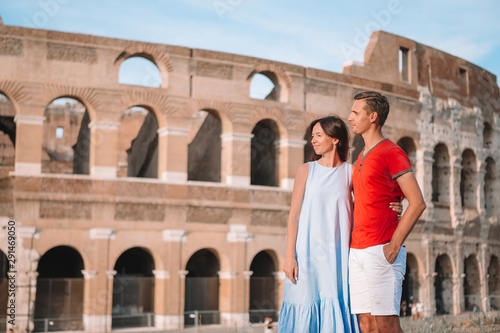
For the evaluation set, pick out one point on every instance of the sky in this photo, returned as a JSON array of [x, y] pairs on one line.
[[316, 33]]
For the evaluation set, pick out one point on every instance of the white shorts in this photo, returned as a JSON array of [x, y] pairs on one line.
[[375, 286]]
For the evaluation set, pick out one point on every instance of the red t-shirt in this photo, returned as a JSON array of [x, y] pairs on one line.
[[375, 186]]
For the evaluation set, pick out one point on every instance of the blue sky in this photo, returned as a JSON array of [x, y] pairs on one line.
[[315, 33]]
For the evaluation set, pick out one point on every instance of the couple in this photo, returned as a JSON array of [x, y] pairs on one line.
[[320, 295]]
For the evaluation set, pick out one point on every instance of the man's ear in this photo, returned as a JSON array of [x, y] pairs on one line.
[[373, 117]]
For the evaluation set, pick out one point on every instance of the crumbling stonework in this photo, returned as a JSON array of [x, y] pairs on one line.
[[150, 218]]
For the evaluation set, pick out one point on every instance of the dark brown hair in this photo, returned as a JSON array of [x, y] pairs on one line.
[[334, 127], [376, 102]]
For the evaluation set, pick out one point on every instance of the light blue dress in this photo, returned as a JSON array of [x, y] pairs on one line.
[[320, 300]]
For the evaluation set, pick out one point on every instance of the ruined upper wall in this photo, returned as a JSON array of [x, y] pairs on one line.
[[446, 76]]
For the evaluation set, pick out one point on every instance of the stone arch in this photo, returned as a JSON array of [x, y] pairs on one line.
[[409, 146], [491, 187], [471, 283], [205, 146], [202, 287], [309, 153], [411, 282], [138, 137], [357, 147], [133, 288], [262, 300], [493, 276], [468, 180], [67, 150], [488, 135], [224, 111], [138, 71], [60, 289], [15, 92], [443, 284], [86, 96], [7, 135], [264, 157], [4, 287], [279, 77], [155, 103], [441, 173], [151, 53]]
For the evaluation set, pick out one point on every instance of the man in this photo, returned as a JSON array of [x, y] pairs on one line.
[[377, 260]]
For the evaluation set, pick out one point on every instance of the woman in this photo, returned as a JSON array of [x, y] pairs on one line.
[[316, 295]]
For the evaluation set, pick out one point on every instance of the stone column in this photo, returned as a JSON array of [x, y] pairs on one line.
[[247, 276], [103, 146], [29, 138], [480, 188], [233, 299], [160, 296], [291, 156], [424, 169], [173, 314], [173, 154], [483, 278], [181, 299], [26, 277], [456, 210], [235, 164], [98, 295], [458, 293]]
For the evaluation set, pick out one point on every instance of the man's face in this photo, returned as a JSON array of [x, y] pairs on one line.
[[360, 119]]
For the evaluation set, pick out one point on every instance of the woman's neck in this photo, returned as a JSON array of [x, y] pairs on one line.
[[330, 160]]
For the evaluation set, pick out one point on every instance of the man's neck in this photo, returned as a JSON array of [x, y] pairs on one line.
[[371, 138]]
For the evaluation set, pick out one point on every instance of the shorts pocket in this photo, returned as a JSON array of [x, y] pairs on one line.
[[384, 259]]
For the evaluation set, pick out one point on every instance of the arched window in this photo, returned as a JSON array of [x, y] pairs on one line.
[[494, 283], [265, 153], [265, 86], [358, 144], [59, 290], [204, 148], [7, 135], [441, 175], [408, 145], [202, 288], [262, 288], [469, 181], [139, 71], [66, 137], [443, 285], [133, 289], [487, 135], [308, 148], [411, 285], [472, 283], [4, 289], [138, 143]]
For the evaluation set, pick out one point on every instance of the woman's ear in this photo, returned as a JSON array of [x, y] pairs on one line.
[[335, 141]]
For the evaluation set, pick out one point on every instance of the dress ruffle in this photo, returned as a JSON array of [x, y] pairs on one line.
[[321, 316]]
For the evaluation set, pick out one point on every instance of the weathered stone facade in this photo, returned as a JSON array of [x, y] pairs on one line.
[[224, 218]]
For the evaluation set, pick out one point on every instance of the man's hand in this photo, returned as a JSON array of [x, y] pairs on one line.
[[391, 253], [291, 270]]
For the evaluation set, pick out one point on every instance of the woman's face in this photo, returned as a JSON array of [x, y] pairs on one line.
[[321, 142]]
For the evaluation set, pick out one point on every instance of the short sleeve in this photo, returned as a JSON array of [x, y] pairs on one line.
[[398, 162]]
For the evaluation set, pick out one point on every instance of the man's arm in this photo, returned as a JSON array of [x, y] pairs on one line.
[[416, 206]]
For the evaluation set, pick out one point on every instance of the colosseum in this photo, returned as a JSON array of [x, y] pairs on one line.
[[167, 206]]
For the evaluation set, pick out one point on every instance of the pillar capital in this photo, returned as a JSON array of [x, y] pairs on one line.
[[110, 274], [161, 275], [89, 275], [238, 233], [102, 233], [174, 235], [29, 120]]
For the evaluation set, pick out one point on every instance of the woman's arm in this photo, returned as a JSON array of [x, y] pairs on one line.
[[299, 187]]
